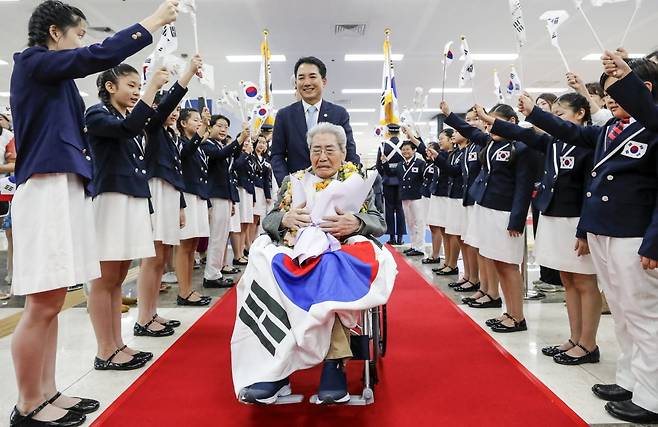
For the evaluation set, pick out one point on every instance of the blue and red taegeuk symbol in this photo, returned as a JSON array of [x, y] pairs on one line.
[[345, 275], [251, 91]]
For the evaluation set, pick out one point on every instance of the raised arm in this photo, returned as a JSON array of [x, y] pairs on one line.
[[473, 134]]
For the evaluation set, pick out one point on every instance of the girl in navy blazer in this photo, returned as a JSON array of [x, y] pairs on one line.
[[502, 192], [262, 185], [558, 244], [193, 131], [244, 166], [121, 202], [53, 173]]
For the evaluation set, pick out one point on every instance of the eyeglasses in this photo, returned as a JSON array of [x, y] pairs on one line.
[[328, 151]]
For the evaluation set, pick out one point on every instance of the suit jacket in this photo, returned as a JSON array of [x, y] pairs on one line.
[[411, 178], [621, 200], [290, 151], [48, 110], [195, 167], [388, 173], [631, 93], [372, 221]]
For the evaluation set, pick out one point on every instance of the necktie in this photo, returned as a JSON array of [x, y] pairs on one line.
[[615, 132], [311, 117]]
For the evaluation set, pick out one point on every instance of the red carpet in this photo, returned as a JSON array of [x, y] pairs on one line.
[[427, 377]]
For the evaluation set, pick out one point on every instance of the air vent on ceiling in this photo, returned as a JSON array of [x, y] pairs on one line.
[[350, 30]]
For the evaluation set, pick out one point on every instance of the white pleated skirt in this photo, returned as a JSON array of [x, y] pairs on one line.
[[246, 206], [123, 227], [456, 221], [234, 224], [554, 245], [493, 238], [54, 234], [437, 211], [260, 206], [470, 234], [197, 223], [166, 211]]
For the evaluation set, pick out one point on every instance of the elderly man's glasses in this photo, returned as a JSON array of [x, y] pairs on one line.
[[329, 151]]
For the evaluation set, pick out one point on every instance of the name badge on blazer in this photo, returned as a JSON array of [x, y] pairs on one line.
[[472, 157], [567, 162], [414, 170], [634, 150], [502, 156]]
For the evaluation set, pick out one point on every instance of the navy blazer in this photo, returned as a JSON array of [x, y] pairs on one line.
[[441, 183], [621, 198], [452, 166], [244, 169], [393, 145], [566, 170], [48, 110], [163, 158], [195, 166], [477, 140], [118, 149], [290, 151], [220, 157], [410, 175], [262, 176], [634, 97], [428, 177]]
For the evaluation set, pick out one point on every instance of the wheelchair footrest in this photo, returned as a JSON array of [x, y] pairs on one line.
[[367, 398]]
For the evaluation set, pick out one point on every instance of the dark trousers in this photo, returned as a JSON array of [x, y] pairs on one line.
[[394, 214], [546, 275], [379, 202]]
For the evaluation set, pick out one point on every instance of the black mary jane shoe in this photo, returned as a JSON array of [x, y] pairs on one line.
[[71, 419], [238, 262], [414, 252], [201, 302], [230, 270], [555, 349], [406, 251], [170, 323], [466, 300], [474, 287], [108, 365], [449, 272], [590, 357], [84, 406], [493, 321], [517, 327], [492, 303], [144, 331], [143, 355], [456, 284], [430, 260]]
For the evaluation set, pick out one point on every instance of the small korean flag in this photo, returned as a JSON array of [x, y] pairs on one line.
[[634, 149], [472, 156], [567, 162], [503, 156], [250, 91]]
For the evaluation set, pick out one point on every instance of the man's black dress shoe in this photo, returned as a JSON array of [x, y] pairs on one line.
[[629, 411], [555, 349], [414, 252], [590, 357], [108, 365], [223, 282], [611, 392], [406, 251], [71, 419], [84, 406]]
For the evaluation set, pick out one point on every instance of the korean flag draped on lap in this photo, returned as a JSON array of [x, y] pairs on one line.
[[286, 309], [553, 19]]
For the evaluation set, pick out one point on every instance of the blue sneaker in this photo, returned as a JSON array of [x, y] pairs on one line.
[[265, 393], [333, 383]]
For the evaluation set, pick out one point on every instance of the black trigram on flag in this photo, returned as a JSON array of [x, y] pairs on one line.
[[259, 318]]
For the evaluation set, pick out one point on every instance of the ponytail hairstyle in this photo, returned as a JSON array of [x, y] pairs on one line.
[[505, 112], [576, 102], [112, 75], [185, 114], [51, 12]]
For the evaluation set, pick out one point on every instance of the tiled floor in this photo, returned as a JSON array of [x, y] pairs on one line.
[[547, 323]]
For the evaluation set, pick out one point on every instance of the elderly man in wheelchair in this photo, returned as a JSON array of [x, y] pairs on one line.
[[310, 277]]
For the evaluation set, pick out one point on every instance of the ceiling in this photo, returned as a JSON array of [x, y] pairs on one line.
[[420, 28]]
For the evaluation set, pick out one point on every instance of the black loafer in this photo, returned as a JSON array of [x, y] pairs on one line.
[[84, 406], [590, 357], [108, 365], [517, 327], [611, 392], [71, 419], [218, 283], [629, 411], [449, 272], [555, 349]]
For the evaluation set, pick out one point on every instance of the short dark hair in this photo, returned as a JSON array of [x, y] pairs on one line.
[[595, 88], [409, 143], [653, 56], [313, 61], [216, 117], [646, 70], [185, 114], [51, 12]]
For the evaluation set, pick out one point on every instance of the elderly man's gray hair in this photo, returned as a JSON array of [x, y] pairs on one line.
[[325, 127]]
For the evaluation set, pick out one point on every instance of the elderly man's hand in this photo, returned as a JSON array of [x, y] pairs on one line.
[[296, 218], [340, 225]]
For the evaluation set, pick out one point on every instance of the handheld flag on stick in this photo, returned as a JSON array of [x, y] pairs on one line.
[[638, 3], [467, 72], [388, 112], [497, 90], [514, 85], [447, 60], [553, 19], [517, 22], [579, 6], [265, 77], [250, 92], [189, 6]]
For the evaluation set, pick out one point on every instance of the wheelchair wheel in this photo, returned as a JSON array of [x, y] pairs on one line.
[[382, 330]]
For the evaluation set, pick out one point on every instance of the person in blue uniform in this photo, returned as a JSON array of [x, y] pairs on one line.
[[558, 243], [502, 192], [262, 185], [620, 217], [53, 175], [426, 193], [244, 167]]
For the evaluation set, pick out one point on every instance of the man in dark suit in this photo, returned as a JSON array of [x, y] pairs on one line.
[[289, 147]]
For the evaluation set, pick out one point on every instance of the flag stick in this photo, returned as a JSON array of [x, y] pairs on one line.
[[564, 60], [630, 23], [443, 84], [589, 24], [196, 33]]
